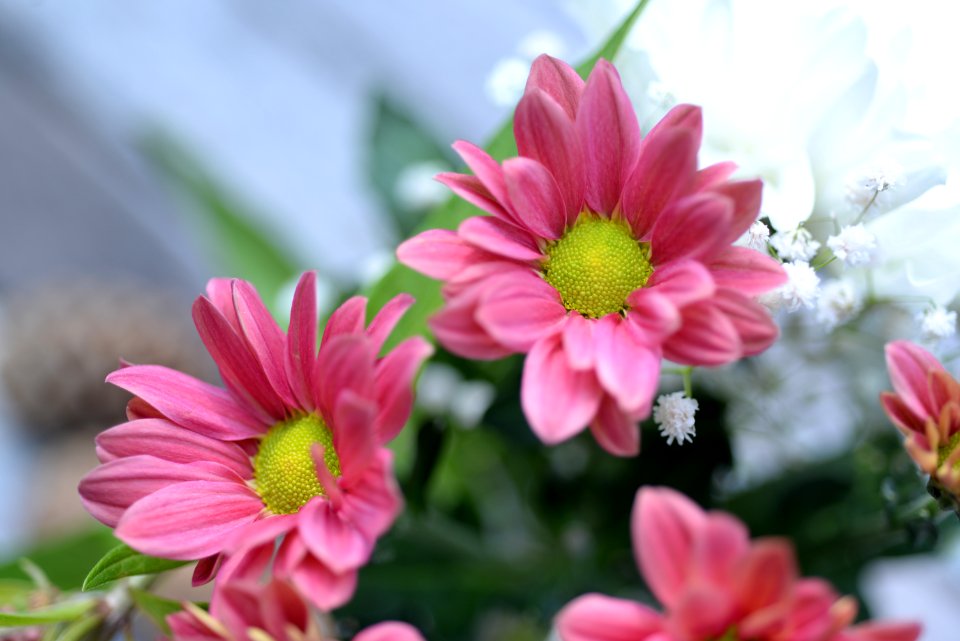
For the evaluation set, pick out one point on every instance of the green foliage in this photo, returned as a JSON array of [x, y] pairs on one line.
[[80, 628], [66, 561], [123, 561], [155, 607], [66, 611]]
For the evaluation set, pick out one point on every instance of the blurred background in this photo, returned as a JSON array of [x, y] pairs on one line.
[[146, 146]]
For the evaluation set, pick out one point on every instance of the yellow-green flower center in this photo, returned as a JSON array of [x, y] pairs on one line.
[[947, 449], [283, 469], [596, 264]]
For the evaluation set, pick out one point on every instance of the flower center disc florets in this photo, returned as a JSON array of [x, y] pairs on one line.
[[945, 450], [596, 264], [284, 471]]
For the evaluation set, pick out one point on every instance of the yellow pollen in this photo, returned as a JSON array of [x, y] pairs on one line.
[[283, 469], [946, 450], [596, 264]]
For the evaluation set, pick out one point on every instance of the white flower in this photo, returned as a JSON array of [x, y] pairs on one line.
[[854, 245], [756, 237], [674, 414], [937, 323], [796, 244], [801, 289], [864, 190], [839, 302]]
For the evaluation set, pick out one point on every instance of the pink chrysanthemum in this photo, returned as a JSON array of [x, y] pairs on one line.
[[604, 252], [292, 447], [926, 409], [246, 611], [717, 585]]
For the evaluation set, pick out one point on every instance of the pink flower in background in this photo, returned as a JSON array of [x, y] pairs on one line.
[[715, 584], [245, 611], [292, 447], [604, 252], [925, 407]]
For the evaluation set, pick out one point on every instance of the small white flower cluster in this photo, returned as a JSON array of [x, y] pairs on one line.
[[854, 245], [839, 302], [801, 289], [674, 414], [864, 190], [937, 323], [756, 237], [797, 244]]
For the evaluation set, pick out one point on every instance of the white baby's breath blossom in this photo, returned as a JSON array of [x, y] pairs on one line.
[[937, 323], [756, 237], [801, 289], [674, 414], [864, 190], [839, 301], [795, 244], [854, 245]]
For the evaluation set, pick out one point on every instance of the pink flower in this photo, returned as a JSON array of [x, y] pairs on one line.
[[246, 611], [716, 584], [926, 409], [604, 252], [291, 447]]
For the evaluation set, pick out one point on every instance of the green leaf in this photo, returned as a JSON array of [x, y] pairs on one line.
[[155, 607], [80, 628], [123, 561], [450, 214], [13, 591], [66, 560], [54, 614]]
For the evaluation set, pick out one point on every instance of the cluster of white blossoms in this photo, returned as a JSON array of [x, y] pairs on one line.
[[674, 414]]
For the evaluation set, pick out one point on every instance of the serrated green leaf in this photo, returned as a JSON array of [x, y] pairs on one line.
[[155, 607], [123, 561], [68, 611], [451, 213]]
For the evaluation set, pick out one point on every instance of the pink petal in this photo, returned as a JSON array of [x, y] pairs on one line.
[[909, 367], [373, 502], [336, 542], [703, 613], [265, 338], [713, 175], [354, 438], [767, 575], [756, 329], [665, 526], [521, 312], [547, 134], [609, 135], [389, 631], [189, 402], [281, 607], [706, 337], [500, 238], [652, 317], [683, 282], [720, 549], [746, 271], [681, 116], [261, 533], [457, 329], [901, 414], [627, 369], [437, 253], [557, 400], [394, 385], [472, 190], [323, 587], [595, 617], [206, 569], [664, 171], [486, 169], [345, 363], [535, 197], [348, 319], [690, 228], [237, 606], [745, 195], [578, 342], [558, 80], [302, 340], [188, 520], [616, 431], [220, 293], [386, 320], [238, 366], [164, 440], [185, 626]]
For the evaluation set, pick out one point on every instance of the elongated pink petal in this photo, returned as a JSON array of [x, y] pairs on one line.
[[547, 134], [302, 340], [394, 385], [745, 196], [354, 437], [720, 549], [472, 190], [753, 323], [706, 337], [373, 501], [535, 197], [713, 175], [345, 363], [557, 400], [290, 554], [681, 116], [578, 342], [558, 80], [282, 607], [238, 365], [682, 282], [457, 329], [324, 588], [186, 626], [664, 171], [265, 338], [595, 617], [437, 253], [703, 613], [500, 238], [261, 533], [164, 440], [688, 228], [652, 316], [665, 525], [389, 631], [386, 320], [336, 542], [609, 135], [909, 366], [767, 575], [188, 520], [616, 431], [627, 369], [746, 271], [486, 169], [206, 569], [187, 401], [521, 312], [220, 293], [237, 606], [348, 319], [901, 415]]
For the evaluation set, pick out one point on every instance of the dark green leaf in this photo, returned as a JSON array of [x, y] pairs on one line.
[[155, 607], [123, 561]]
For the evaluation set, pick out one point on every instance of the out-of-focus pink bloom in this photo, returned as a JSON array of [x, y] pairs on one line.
[[292, 447], [246, 611], [604, 251], [716, 584], [925, 407]]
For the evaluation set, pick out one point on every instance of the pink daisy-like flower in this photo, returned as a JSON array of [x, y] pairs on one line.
[[925, 407], [246, 611], [292, 447], [603, 253], [716, 584]]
